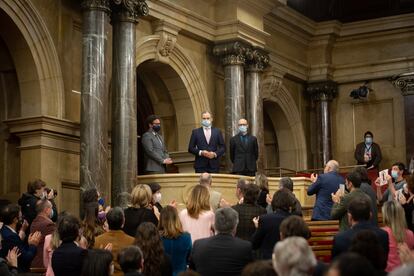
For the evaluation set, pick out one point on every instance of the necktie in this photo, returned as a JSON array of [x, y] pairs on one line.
[[208, 135], [158, 137]]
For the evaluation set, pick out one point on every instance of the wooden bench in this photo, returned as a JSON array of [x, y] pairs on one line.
[[321, 241]]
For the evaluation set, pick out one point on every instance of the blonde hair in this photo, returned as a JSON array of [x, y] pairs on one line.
[[394, 217], [170, 225], [262, 182], [198, 201], [141, 196]]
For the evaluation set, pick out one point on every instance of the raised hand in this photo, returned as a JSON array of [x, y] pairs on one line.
[[34, 238], [12, 256]]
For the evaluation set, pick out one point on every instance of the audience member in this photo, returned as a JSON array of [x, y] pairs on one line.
[[267, 232], [115, 236], [287, 183], [369, 191], [358, 215], [222, 254], [42, 223], [140, 210], [294, 226], [8, 265], [206, 180], [366, 243], [197, 218], [177, 243], [240, 186], [131, 261], [406, 199], [248, 210], [323, 186], [68, 257], [398, 233], [395, 182], [188, 272], [149, 240], [404, 270], [91, 225], [351, 264], [263, 183], [293, 256], [12, 219], [156, 195], [368, 153], [341, 201], [98, 262], [259, 268]]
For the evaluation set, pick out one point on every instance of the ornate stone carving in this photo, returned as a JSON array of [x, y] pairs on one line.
[[128, 10], [322, 91], [257, 60], [232, 53], [168, 37], [405, 82], [96, 5]]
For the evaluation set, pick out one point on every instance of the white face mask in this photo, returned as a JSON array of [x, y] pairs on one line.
[[157, 197], [112, 269]]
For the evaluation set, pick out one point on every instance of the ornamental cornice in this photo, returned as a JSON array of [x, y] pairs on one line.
[[128, 10], [233, 53], [322, 91], [102, 5], [404, 82], [257, 60]]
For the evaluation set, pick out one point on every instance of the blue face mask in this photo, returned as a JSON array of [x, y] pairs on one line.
[[206, 123], [394, 175], [243, 129], [156, 128], [101, 201], [368, 140]]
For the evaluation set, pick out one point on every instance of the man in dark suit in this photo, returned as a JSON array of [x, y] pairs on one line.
[[368, 153], [222, 254], [207, 145], [359, 212], [155, 152], [323, 186], [67, 258], [12, 221], [244, 151]]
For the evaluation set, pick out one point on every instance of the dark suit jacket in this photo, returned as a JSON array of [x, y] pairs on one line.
[[244, 155], [342, 240], [376, 156], [11, 239], [245, 228], [67, 259], [222, 254], [325, 185], [45, 226], [198, 142], [267, 234], [135, 216]]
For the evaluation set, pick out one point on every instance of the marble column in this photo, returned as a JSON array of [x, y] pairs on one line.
[[254, 101], [125, 14], [233, 56], [94, 95], [322, 93], [405, 82]]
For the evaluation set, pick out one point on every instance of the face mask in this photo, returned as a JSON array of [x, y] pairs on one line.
[[157, 197], [394, 174], [243, 129], [206, 123], [101, 201], [156, 128], [368, 140]]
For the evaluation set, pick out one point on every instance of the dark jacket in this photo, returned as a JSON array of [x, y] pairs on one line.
[[342, 240], [369, 191], [324, 186], [11, 239], [198, 142], [222, 254], [67, 259], [5, 270], [376, 156], [244, 153], [267, 234], [178, 250], [28, 204], [135, 216], [245, 228]]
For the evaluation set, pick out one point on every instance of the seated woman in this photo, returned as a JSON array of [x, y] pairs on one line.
[[177, 243]]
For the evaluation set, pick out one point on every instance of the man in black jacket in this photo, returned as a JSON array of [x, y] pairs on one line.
[[222, 254], [368, 153]]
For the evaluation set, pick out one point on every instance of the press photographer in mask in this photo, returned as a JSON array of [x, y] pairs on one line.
[[368, 153]]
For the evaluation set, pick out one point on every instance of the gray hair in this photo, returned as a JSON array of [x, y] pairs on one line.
[[205, 112], [403, 270], [226, 220], [293, 257], [333, 164], [287, 183], [206, 179]]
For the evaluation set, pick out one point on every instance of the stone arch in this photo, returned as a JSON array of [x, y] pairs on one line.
[[38, 70], [274, 92]]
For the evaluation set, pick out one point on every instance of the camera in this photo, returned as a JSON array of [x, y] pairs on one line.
[[360, 92], [47, 190]]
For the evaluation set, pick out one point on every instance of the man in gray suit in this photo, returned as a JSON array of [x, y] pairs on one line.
[[155, 152]]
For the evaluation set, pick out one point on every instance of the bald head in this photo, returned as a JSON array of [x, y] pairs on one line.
[[205, 179], [243, 122], [331, 166]]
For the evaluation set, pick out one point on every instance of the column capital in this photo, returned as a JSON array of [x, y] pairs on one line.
[[322, 91], [404, 82], [232, 53], [257, 60], [128, 10], [102, 5]]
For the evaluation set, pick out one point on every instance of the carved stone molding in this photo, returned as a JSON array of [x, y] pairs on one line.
[[168, 38], [102, 5], [404, 82], [272, 81], [322, 91], [128, 10], [233, 53], [257, 60]]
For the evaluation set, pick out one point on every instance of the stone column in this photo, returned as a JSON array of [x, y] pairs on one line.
[[322, 93], [233, 56], [125, 14], [405, 83], [94, 95], [254, 100]]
